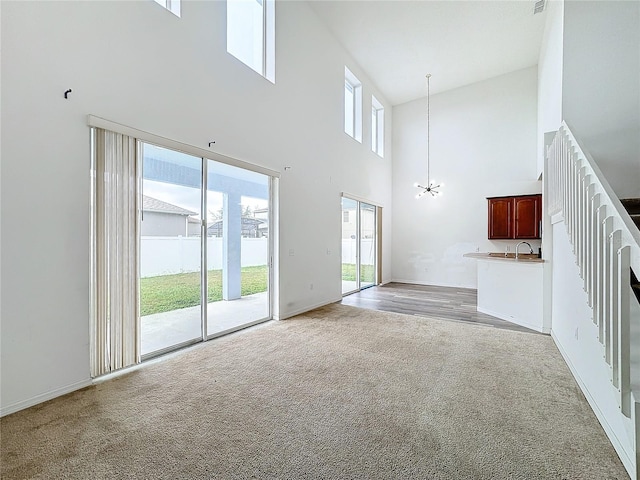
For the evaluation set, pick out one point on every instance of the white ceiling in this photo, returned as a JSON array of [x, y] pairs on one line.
[[398, 42]]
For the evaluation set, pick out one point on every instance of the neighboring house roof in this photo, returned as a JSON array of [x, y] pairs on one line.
[[150, 204]]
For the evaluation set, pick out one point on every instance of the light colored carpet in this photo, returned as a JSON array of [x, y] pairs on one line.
[[337, 393]]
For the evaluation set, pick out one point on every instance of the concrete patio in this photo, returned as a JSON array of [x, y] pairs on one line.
[[163, 330]]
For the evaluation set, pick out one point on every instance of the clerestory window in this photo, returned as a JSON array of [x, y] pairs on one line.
[[377, 127], [251, 34], [352, 105]]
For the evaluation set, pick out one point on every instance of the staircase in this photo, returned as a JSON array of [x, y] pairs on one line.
[[632, 205], [604, 235]]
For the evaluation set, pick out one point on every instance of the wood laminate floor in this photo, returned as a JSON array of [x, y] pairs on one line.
[[448, 303]]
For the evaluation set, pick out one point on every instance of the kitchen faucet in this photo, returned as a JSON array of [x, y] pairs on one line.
[[526, 243]]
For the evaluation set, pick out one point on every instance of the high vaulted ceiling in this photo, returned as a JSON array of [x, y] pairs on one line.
[[398, 42]]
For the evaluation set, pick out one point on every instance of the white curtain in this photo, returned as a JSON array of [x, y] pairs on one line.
[[114, 287]]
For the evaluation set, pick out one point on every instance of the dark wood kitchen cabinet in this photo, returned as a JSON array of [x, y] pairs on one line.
[[516, 217], [500, 218]]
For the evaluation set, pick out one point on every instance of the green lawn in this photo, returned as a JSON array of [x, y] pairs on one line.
[[367, 273], [170, 292]]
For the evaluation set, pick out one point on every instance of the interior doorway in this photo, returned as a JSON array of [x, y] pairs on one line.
[[359, 245]]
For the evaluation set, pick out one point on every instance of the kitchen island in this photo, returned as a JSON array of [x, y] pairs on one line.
[[511, 288]]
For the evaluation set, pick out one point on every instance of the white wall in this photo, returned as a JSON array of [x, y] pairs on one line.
[[549, 120], [139, 65], [512, 291], [601, 94], [550, 76], [577, 338], [163, 224], [483, 143]]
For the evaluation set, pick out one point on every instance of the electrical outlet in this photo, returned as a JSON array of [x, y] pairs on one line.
[[576, 333], [311, 286], [292, 252], [328, 252]]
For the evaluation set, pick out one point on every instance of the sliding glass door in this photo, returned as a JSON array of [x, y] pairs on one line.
[[359, 245], [238, 252], [204, 241], [170, 250], [367, 239], [349, 245]]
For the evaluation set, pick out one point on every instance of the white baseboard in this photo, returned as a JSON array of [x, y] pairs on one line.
[[43, 397], [306, 309], [531, 326], [627, 461]]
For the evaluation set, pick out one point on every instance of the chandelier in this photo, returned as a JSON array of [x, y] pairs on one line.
[[432, 186]]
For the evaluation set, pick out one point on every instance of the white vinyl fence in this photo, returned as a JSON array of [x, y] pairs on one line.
[[171, 255], [368, 252]]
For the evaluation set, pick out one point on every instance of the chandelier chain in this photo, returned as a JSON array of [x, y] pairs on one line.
[[428, 128], [430, 187]]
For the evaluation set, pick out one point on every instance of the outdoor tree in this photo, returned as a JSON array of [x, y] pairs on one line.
[[214, 215]]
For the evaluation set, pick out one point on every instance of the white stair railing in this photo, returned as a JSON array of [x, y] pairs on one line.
[[606, 243]]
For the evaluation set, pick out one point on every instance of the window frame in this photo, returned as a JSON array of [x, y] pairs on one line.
[[354, 128], [377, 127], [174, 6]]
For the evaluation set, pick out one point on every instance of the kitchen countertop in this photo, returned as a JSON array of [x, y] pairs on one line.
[[500, 257]]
